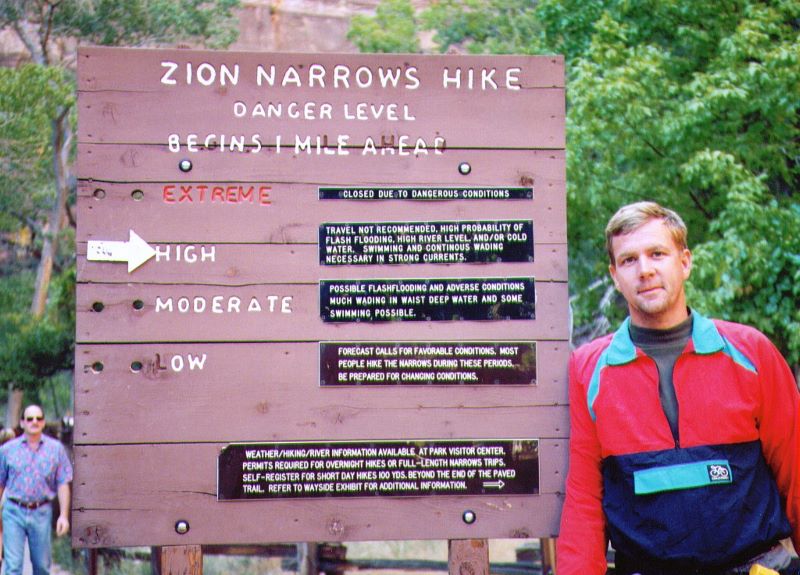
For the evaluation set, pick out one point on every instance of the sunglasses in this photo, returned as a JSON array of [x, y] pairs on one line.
[[35, 418]]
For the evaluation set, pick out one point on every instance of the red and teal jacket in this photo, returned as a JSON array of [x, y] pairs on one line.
[[729, 489]]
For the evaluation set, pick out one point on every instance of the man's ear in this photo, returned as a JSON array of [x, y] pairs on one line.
[[686, 261]]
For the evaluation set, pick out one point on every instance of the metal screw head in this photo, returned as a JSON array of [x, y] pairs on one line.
[[464, 168], [182, 527], [185, 165], [469, 517]]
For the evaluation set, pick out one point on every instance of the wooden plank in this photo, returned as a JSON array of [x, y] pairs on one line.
[[141, 164], [343, 421], [182, 560], [263, 385], [134, 495], [248, 522], [143, 71], [120, 321], [152, 118], [289, 217], [468, 557], [141, 108], [244, 264]]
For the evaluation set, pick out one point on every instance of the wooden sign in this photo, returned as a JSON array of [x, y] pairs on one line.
[[293, 268]]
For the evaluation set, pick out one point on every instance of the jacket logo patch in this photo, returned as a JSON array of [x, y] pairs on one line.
[[719, 473]]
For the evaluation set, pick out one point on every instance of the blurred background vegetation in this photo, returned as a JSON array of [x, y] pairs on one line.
[[691, 104], [37, 172]]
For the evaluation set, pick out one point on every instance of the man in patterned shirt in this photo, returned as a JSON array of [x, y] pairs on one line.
[[34, 469]]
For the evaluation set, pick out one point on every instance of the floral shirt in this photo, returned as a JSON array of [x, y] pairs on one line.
[[33, 476]]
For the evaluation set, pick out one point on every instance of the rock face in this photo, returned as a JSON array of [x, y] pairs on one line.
[[267, 25], [299, 25]]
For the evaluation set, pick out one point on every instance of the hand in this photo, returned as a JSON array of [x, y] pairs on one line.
[[62, 525]]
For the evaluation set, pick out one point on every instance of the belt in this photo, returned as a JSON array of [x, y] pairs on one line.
[[776, 557], [31, 505]]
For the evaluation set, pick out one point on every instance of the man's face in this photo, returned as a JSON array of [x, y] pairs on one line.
[[649, 270], [33, 421]]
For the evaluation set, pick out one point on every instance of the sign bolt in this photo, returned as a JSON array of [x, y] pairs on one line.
[[182, 527], [185, 166], [464, 168], [469, 517]]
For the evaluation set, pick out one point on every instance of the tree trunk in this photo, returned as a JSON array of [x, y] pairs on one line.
[[62, 139], [14, 407]]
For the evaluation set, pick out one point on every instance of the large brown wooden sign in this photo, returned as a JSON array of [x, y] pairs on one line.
[[320, 297]]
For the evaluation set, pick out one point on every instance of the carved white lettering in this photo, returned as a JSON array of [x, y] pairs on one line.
[[195, 362], [219, 304], [167, 77]]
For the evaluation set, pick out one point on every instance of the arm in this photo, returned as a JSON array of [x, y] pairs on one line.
[[582, 542], [63, 477], [2, 490], [62, 524], [779, 426]]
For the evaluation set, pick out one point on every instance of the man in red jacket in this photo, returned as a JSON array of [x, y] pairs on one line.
[[685, 431]]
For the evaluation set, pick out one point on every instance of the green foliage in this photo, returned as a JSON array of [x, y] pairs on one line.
[[28, 96], [485, 26], [132, 22], [34, 350], [38, 350], [392, 29], [696, 110], [691, 104], [568, 25], [750, 271], [32, 97], [143, 22]]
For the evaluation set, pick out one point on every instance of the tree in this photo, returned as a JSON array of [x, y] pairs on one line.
[[44, 25], [691, 104], [484, 26], [37, 183], [392, 29]]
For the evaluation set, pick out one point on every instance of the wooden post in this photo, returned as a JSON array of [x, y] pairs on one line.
[[307, 559], [182, 560], [91, 561], [155, 561], [548, 545], [468, 556]]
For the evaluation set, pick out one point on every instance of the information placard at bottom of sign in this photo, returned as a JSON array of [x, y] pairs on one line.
[[427, 363], [378, 468]]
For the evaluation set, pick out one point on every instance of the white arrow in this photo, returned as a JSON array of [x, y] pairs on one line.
[[499, 484], [135, 251]]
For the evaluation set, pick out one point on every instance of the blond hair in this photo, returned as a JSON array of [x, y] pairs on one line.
[[632, 216]]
